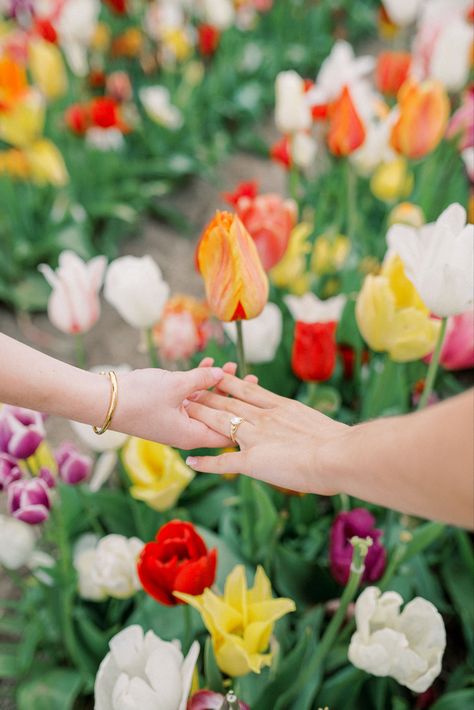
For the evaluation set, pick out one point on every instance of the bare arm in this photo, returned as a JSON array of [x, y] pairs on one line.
[[421, 463]]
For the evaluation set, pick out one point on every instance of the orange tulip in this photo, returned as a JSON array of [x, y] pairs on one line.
[[236, 284], [424, 113], [392, 71], [346, 129], [13, 82]]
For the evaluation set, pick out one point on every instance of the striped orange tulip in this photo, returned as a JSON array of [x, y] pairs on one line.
[[346, 129], [227, 258], [424, 113]]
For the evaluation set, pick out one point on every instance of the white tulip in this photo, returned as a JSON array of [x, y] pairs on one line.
[[108, 567], [17, 542], [143, 672], [262, 335], [303, 150], [157, 103], [439, 260], [105, 139], [402, 12], [407, 645], [74, 306], [376, 147], [135, 287], [75, 26], [219, 13], [310, 309], [292, 111]]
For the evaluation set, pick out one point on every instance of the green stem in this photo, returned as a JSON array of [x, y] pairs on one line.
[[187, 626], [433, 367], [151, 348], [241, 350], [81, 357], [351, 197]]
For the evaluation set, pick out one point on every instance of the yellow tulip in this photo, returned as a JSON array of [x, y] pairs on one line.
[[158, 473], [329, 253], [392, 180], [407, 213], [24, 121], [176, 42], [42, 458], [291, 272], [392, 317], [46, 164], [241, 621], [47, 68], [13, 163]]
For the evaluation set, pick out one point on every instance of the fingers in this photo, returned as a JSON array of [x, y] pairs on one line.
[[196, 435], [219, 421], [248, 392], [229, 404], [206, 362], [226, 463], [200, 378]]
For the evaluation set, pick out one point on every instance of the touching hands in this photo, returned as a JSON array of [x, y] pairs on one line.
[[281, 441]]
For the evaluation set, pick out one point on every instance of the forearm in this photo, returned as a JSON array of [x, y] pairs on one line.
[[420, 463], [31, 379]]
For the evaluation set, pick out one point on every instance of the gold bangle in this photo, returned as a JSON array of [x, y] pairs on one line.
[[112, 404]]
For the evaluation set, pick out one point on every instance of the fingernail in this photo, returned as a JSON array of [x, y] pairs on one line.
[[193, 396], [191, 461], [217, 371]]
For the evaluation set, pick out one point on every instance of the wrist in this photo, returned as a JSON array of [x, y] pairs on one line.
[[336, 461]]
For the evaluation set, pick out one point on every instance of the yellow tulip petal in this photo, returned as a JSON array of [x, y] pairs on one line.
[[47, 68], [257, 636], [261, 590], [402, 288], [414, 335], [375, 309], [235, 591], [270, 610]]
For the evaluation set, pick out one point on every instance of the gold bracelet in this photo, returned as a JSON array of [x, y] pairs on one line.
[[112, 404]]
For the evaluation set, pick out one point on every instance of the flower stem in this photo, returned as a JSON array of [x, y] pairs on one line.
[[81, 357], [187, 626], [351, 197], [433, 367], [241, 350], [151, 348]]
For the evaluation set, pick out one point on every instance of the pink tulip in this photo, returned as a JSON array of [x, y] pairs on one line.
[[73, 466], [74, 305], [179, 337], [209, 700], [29, 501], [462, 122], [457, 352], [361, 523], [21, 431], [9, 470]]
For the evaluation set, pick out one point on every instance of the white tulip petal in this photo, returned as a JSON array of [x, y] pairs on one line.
[[105, 681], [127, 649], [134, 694], [164, 675], [187, 670]]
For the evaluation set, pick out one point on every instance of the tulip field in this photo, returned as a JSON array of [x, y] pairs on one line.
[[131, 578]]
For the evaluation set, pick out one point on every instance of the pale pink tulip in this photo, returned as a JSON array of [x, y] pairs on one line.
[[458, 347]]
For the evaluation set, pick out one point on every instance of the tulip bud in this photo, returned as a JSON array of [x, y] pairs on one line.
[[9, 470], [346, 129], [29, 501], [73, 466], [21, 431], [391, 71]]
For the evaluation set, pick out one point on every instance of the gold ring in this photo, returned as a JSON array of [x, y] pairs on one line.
[[235, 422]]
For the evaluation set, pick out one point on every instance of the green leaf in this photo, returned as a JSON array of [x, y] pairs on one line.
[[259, 518], [227, 559], [9, 666], [459, 585], [303, 580], [211, 670], [423, 536], [31, 293], [341, 689], [458, 700], [56, 689]]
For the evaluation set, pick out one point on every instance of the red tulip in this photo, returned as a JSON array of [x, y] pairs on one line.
[[346, 129], [105, 113], [178, 561], [391, 71], [314, 351], [208, 39], [243, 189], [118, 6], [77, 119], [280, 152]]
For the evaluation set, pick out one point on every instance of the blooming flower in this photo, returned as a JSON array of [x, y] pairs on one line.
[[74, 306], [208, 700], [438, 259], [17, 542], [461, 124], [47, 68], [291, 272], [157, 104], [21, 431], [104, 139], [107, 567], [241, 621], [330, 252], [391, 71], [9, 470], [73, 466], [75, 27], [402, 12], [292, 111], [158, 473], [407, 213], [177, 561], [236, 284], [262, 334], [360, 522], [346, 128], [407, 645], [392, 180], [29, 500], [457, 352], [142, 671], [310, 309], [46, 164], [136, 288], [392, 317], [23, 123], [313, 357]]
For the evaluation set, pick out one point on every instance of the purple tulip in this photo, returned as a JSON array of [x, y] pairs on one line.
[[29, 501], [361, 523], [74, 467], [46, 476], [208, 700], [9, 470], [21, 431]]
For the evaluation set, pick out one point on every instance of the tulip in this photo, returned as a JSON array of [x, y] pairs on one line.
[[156, 101], [29, 500], [248, 189], [292, 111], [47, 68], [269, 220], [391, 181], [402, 12], [461, 125], [392, 317], [23, 123], [208, 39], [360, 522], [236, 284], [262, 334], [329, 254], [392, 71], [75, 26], [407, 213], [280, 152], [178, 561], [423, 117], [313, 358], [73, 466], [438, 259], [135, 287], [407, 645], [74, 305], [346, 129], [143, 671], [310, 309], [119, 86], [104, 139], [13, 82], [219, 13], [291, 272], [179, 338], [457, 352], [46, 164], [17, 542], [13, 163], [21, 431], [208, 700], [241, 621], [157, 473], [376, 147], [303, 150], [77, 118], [9, 469], [46, 475], [107, 567]]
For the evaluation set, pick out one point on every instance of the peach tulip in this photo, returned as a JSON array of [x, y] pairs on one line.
[[346, 129], [235, 281], [392, 71], [424, 114]]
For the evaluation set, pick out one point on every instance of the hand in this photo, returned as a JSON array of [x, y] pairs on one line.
[[281, 441]]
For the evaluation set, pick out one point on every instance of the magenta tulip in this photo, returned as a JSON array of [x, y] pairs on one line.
[[29, 500], [209, 700], [21, 431], [9, 470], [361, 523], [74, 467]]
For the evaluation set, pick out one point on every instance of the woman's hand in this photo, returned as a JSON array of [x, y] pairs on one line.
[[281, 441]]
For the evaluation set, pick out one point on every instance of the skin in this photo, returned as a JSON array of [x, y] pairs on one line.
[[31, 379], [420, 464]]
